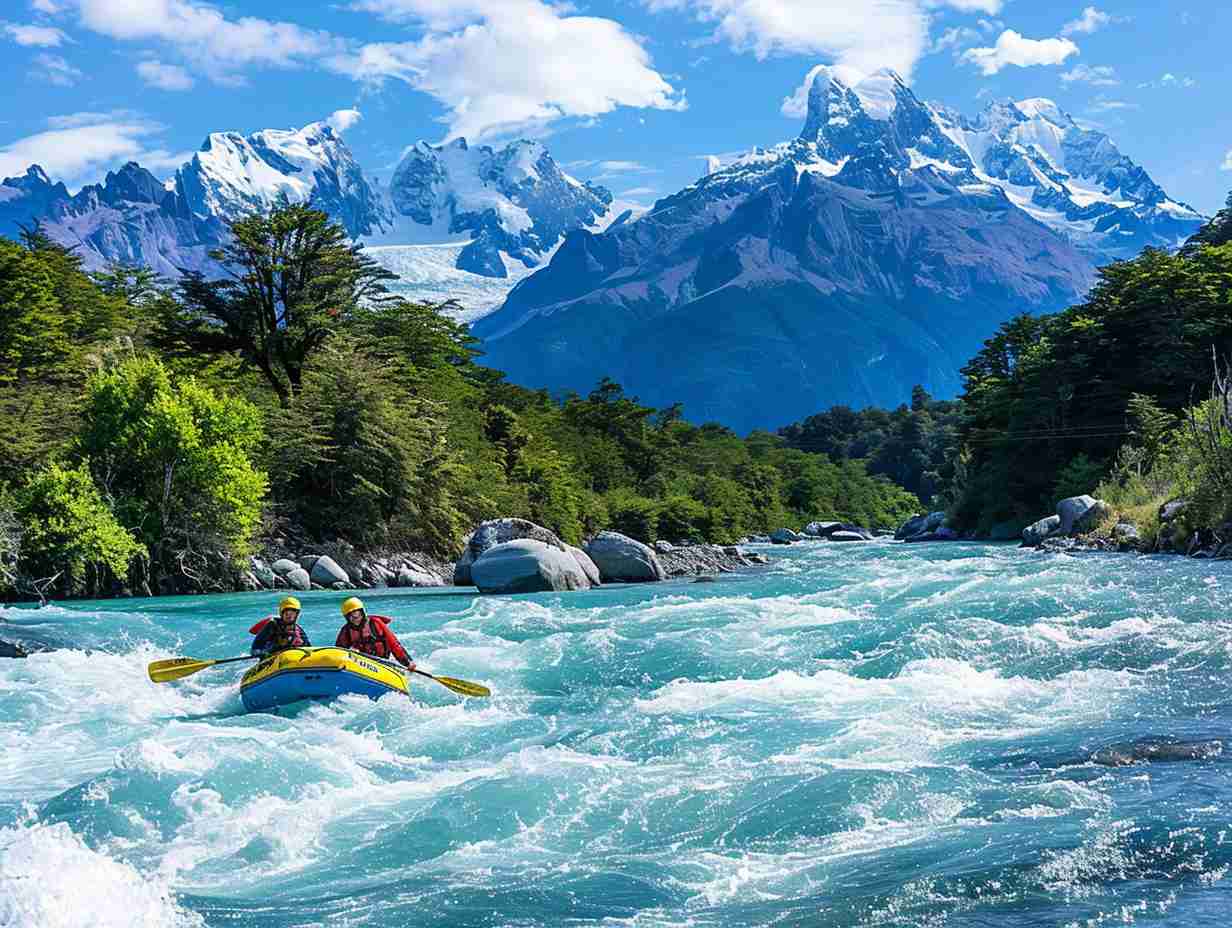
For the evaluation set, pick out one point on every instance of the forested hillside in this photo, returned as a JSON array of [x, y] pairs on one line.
[[153, 432]]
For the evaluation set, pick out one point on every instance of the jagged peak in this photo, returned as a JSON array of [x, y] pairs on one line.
[[1043, 108]]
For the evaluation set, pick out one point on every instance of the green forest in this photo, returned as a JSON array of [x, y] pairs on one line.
[[158, 432]]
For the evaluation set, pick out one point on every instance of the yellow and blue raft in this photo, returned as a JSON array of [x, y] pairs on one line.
[[317, 673]]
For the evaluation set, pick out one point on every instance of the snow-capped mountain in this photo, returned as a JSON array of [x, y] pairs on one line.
[[515, 203], [234, 174], [875, 251]]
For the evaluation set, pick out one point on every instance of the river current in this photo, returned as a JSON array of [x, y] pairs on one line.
[[859, 735]]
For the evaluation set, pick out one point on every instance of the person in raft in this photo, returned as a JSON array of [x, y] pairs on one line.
[[279, 632], [370, 634]]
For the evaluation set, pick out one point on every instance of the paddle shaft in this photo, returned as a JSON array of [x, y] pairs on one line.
[[449, 683]]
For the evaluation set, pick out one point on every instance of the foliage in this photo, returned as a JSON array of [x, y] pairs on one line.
[[67, 528], [293, 279], [178, 459]]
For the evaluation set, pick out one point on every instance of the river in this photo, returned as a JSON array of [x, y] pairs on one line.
[[860, 735]]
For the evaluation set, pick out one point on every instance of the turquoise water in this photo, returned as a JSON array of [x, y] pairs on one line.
[[862, 735]]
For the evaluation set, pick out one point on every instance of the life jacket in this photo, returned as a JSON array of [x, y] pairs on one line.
[[369, 639], [296, 639]]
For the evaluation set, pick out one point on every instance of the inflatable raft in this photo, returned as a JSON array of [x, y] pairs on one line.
[[316, 673]]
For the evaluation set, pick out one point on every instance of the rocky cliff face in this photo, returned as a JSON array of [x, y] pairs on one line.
[[868, 254]]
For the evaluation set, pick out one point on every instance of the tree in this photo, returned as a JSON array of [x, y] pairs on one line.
[[68, 531], [178, 459], [293, 280]]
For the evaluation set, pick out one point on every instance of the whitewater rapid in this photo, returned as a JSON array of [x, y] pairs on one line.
[[860, 735]]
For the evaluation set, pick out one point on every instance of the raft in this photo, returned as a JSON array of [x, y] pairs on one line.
[[316, 673]]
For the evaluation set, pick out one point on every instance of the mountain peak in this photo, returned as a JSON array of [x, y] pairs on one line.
[[1043, 108]]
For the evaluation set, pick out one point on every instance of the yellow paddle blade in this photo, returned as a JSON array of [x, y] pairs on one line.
[[176, 668], [465, 687]]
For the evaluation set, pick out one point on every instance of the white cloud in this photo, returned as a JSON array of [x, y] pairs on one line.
[[1099, 76], [164, 76], [1013, 49], [1090, 20], [1110, 106], [516, 66], [55, 70], [342, 120], [865, 36], [954, 37], [81, 147], [45, 6], [639, 192], [33, 36], [1170, 80], [216, 45], [623, 167], [1227, 162]]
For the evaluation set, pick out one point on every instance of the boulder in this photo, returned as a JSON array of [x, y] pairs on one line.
[[283, 566], [620, 559], [412, 575], [1091, 519], [847, 536], [820, 529], [912, 526], [1008, 530], [1034, 535], [8, 649], [1172, 509], [944, 533], [1071, 510], [589, 568], [308, 561], [784, 536], [298, 579], [249, 582], [263, 572], [494, 532], [664, 546], [527, 566], [758, 540], [325, 571]]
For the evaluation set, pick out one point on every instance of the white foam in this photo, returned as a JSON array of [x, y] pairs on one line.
[[49, 878]]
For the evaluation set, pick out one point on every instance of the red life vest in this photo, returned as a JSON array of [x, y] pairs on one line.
[[370, 638]]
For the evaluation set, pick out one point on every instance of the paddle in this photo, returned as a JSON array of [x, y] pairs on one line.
[[179, 667], [461, 687]]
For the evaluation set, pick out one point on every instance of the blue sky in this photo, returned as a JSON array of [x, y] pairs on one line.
[[634, 93]]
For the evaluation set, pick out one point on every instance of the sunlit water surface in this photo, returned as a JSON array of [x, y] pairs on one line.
[[861, 735]]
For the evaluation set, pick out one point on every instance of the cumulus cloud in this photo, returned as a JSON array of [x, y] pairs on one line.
[[81, 147], [33, 36], [164, 76], [214, 44], [342, 120], [54, 69], [1090, 20], [954, 37], [1013, 49], [514, 66], [1099, 76]]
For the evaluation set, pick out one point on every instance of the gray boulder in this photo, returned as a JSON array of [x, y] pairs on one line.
[[325, 571], [1091, 519], [412, 575], [283, 566], [298, 579], [589, 568], [1033, 535], [1006, 531], [1172, 509], [527, 566], [620, 559], [913, 526], [308, 561], [784, 536], [495, 532], [944, 533], [1071, 510], [263, 572], [8, 649], [664, 546], [847, 536], [821, 529]]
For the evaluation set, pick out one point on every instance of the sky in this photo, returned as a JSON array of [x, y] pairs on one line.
[[638, 95]]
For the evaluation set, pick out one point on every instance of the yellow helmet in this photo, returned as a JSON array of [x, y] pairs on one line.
[[350, 605], [289, 603]]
